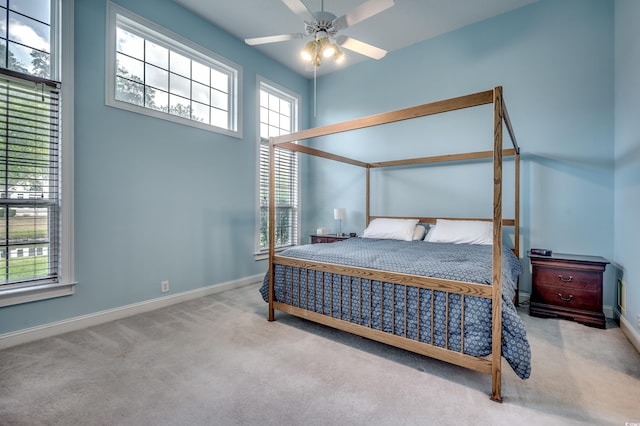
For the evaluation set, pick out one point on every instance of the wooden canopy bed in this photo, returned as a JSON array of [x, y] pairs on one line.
[[327, 278]]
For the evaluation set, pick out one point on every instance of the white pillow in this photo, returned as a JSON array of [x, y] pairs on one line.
[[391, 229], [429, 233], [461, 232]]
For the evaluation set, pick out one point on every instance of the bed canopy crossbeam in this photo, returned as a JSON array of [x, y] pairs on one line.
[[432, 220], [462, 102], [500, 118], [441, 158]]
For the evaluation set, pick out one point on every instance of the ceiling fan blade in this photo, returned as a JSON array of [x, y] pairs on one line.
[[361, 47], [300, 9], [364, 11], [272, 39]]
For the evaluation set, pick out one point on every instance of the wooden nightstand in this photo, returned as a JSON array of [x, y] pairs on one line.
[[568, 286], [328, 238]]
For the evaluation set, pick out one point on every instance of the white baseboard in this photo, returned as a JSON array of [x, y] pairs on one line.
[[19, 337], [630, 332]]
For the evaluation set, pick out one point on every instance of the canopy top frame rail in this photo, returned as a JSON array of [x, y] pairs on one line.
[[462, 102]]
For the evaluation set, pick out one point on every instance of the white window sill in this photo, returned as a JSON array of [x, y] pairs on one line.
[[32, 293], [265, 254]]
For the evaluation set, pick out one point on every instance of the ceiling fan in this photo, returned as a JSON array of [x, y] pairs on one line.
[[323, 27]]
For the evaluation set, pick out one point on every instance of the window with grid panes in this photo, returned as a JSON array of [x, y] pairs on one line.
[[30, 136], [278, 116], [157, 73]]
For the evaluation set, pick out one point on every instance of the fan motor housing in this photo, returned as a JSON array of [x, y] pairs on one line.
[[324, 22]]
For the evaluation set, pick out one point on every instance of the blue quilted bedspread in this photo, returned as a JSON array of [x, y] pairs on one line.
[[359, 301]]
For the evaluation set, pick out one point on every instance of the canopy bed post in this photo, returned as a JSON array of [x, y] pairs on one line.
[[516, 241], [516, 149], [367, 195], [496, 338], [272, 225]]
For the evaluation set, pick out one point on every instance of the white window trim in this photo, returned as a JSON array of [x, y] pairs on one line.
[[166, 37], [258, 254], [66, 278]]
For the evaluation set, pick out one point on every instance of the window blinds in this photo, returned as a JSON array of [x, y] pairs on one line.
[[286, 197], [29, 179]]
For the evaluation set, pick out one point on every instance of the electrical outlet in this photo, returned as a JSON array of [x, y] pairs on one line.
[[164, 286]]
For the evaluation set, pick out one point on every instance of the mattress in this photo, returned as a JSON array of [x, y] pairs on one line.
[[406, 310]]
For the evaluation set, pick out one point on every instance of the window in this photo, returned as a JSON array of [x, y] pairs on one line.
[[25, 36], [278, 116], [32, 209], [157, 73], [29, 133]]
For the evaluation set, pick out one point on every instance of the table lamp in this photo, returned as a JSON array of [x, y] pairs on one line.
[[340, 213]]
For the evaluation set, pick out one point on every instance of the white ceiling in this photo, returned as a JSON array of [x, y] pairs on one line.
[[406, 23]]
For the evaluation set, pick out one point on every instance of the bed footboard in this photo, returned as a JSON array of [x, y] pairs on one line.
[[419, 314]]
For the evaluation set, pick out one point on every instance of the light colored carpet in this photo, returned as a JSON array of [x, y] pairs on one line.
[[217, 361]]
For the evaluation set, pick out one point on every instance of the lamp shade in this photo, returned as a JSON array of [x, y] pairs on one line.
[[339, 213]]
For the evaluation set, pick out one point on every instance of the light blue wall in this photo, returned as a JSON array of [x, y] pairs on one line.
[[156, 200], [554, 59], [627, 153], [160, 201]]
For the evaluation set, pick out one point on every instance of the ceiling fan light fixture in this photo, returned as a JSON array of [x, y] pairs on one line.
[[309, 51], [326, 47]]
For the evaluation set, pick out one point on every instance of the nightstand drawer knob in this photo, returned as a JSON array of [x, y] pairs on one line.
[[566, 299], [566, 280]]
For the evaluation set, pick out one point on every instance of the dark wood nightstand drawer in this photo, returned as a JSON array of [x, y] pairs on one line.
[[567, 297], [568, 278], [330, 238], [319, 240]]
